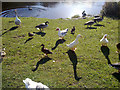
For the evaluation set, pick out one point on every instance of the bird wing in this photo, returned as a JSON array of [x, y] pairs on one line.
[[63, 32]]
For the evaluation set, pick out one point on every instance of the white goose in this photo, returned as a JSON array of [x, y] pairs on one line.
[[104, 40], [62, 33], [73, 44], [17, 20], [31, 84]]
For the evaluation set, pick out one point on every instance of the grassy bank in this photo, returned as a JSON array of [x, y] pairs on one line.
[[58, 71]]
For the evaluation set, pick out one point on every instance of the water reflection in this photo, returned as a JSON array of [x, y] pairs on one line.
[[54, 10]]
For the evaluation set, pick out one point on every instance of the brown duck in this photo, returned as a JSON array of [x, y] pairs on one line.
[[45, 50]]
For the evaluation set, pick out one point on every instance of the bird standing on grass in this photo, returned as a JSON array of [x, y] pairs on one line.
[[45, 50], [73, 44], [89, 23], [83, 14], [17, 20], [73, 30], [98, 19], [62, 33], [104, 40], [42, 26]]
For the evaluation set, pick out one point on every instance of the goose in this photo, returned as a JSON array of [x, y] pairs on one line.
[[73, 44], [17, 20], [91, 22], [83, 14], [98, 19], [73, 30], [62, 33], [29, 84], [104, 40], [42, 26], [96, 16], [45, 50]]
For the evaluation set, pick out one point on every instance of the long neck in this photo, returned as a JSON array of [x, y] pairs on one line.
[[76, 38]]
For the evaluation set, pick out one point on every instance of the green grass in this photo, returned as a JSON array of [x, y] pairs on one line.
[[92, 66]]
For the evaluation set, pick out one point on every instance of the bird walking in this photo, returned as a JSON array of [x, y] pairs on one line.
[[45, 50], [73, 44], [98, 19], [17, 20], [42, 26], [31, 85], [62, 33], [104, 40], [73, 30], [89, 23]]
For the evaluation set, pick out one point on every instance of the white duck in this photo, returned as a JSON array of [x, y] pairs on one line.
[[104, 40], [31, 84], [73, 44], [17, 20], [62, 33]]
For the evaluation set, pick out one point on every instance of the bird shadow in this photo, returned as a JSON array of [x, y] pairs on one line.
[[11, 29], [99, 25], [59, 41], [91, 28], [73, 58], [117, 76], [42, 61], [40, 33], [28, 40], [106, 51]]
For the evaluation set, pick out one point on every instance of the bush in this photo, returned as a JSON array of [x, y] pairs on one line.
[[111, 9]]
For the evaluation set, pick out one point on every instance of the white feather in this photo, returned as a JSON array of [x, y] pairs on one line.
[[32, 84], [74, 43]]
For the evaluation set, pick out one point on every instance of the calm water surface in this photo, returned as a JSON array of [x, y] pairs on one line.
[[54, 10]]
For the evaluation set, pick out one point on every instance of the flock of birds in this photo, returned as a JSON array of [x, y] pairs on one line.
[[61, 33]]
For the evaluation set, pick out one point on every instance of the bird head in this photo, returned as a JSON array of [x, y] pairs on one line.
[[46, 22], [79, 36], [57, 29], [105, 36]]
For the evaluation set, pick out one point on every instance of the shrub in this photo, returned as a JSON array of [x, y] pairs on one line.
[[111, 9]]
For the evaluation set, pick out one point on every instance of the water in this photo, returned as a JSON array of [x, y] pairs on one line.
[[54, 10]]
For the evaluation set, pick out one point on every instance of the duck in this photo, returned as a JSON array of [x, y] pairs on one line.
[[104, 40], [17, 20], [62, 33], [45, 50], [30, 84], [73, 44], [73, 30], [31, 34], [91, 22], [98, 19], [42, 26]]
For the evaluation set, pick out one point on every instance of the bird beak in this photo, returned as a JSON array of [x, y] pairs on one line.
[[81, 36], [57, 29]]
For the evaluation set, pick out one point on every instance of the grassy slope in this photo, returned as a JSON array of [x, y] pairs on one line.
[[92, 66]]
